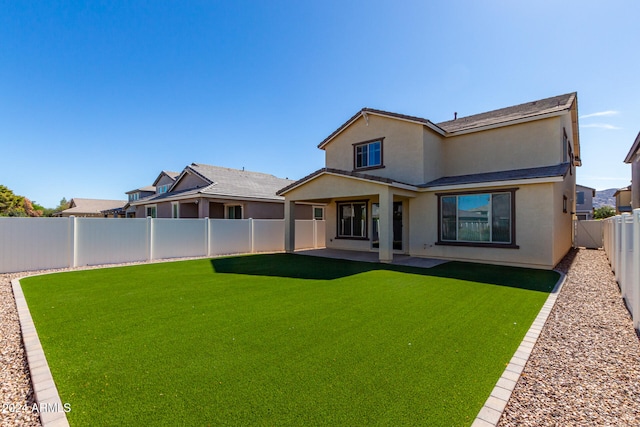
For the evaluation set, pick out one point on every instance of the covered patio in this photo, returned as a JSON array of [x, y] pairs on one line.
[[398, 259]]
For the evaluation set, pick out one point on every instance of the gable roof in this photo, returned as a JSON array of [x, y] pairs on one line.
[[172, 175], [92, 206], [225, 183], [357, 175], [365, 112], [541, 107], [633, 150], [501, 117]]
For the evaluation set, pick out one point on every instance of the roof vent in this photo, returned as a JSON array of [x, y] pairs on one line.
[[455, 115]]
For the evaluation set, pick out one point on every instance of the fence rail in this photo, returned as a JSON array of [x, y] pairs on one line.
[[45, 243], [622, 246]]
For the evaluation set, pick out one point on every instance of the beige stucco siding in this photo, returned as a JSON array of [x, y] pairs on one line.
[[563, 221], [519, 146], [533, 232], [433, 151], [402, 149]]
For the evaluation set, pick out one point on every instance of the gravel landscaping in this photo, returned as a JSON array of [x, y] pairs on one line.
[[584, 369]]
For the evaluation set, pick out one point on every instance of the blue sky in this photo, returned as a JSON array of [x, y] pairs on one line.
[[96, 98]]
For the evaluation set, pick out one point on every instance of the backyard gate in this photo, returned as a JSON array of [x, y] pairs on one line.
[[588, 234]]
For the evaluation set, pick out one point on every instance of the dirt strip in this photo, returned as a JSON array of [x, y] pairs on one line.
[[585, 367]]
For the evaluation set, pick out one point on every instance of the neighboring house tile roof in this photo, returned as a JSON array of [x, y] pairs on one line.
[[150, 188], [516, 112], [92, 206], [225, 183], [508, 175]]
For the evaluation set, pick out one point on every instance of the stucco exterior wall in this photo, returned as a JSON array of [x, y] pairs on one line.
[[519, 146], [189, 181], [563, 221], [402, 148], [533, 232]]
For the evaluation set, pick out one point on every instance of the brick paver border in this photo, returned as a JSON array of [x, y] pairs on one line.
[[493, 408], [50, 408]]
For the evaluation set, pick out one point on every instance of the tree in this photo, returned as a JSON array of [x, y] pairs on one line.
[[14, 205], [11, 204], [604, 212]]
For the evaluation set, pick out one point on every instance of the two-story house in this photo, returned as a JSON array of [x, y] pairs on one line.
[[206, 191], [496, 187]]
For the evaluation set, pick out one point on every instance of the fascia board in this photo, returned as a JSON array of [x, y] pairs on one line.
[[440, 188], [507, 123]]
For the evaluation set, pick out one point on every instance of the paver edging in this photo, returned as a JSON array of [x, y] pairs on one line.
[[493, 408], [49, 406]]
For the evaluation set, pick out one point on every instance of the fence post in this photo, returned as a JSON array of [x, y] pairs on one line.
[[623, 256], [73, 242], [635, 279], [253, 236], [617, 244], [149, 238], [206, 236]]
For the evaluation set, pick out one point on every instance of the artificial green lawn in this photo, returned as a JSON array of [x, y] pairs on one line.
[[282, 340]]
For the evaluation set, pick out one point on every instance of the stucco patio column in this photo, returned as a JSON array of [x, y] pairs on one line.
[[289, 226], [385, 225]]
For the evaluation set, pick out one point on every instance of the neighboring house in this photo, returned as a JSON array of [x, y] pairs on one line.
[[623, 200], [205, 191], [91, 207], [497, 187], [584, 202], [161, 185], [633, 157]]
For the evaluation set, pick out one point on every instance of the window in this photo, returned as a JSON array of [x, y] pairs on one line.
[[162, 189], [133, 197], [175, 210], [318, 213], [368, 155], [152, 211], [352, 220], [580, 197], [477, 218], [234, 212]]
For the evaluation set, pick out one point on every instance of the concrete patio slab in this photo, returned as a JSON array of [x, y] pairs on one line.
[[398, 259]]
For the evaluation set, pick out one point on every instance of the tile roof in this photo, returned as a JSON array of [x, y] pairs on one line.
[[92, 206], [227, 182], [516, 112], [495, 117], [508, 175], [343, 173]]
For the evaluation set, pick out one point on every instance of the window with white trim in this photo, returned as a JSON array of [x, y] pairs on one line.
[[234, 212], [152, 211], [175, 209]]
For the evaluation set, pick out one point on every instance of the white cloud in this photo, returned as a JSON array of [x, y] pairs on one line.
[[601, 114], [601, 126]]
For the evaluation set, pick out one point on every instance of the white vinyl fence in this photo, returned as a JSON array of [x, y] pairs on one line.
[[622, 246], [45, 243]]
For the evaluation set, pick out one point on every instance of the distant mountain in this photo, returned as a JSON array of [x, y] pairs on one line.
[[605, 198]]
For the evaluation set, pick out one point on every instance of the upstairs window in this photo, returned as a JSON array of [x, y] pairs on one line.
[[368, 154], [162, 189]]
